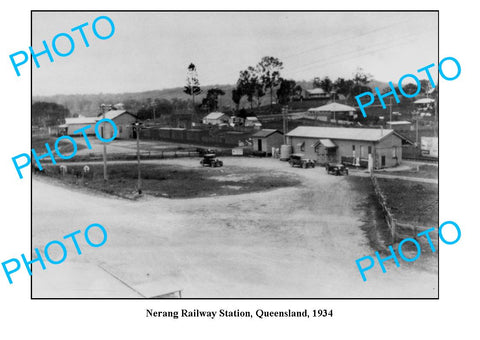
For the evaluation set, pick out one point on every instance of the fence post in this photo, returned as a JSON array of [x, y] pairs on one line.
[[394, 230]]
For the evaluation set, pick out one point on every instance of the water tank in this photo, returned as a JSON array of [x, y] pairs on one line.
[[285, 152]]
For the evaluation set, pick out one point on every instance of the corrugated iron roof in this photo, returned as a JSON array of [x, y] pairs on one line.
[[317, 90], [112, 114], [265, 133], [321, 132], [332, 107], [80, 120]]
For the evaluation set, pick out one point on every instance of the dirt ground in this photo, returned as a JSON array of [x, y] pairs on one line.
[[169, 180], [290, 242]]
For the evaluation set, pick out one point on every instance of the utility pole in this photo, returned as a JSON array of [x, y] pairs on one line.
[[105, 176], [416, 132], [390, 112], [139, 184], [284, 111]]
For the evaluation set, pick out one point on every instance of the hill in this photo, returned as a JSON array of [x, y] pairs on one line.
[[88, 104]]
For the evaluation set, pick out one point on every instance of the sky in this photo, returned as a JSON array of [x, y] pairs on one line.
[[151, 50]]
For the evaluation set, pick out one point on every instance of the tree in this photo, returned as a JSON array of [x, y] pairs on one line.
[[426, 86], [360, 82], [237, 97], [48, 114], [326, 85], [286, 91], [298, 91], [269, 73], [343, 86], [249, 85], [409, 88], [211, 100], [361, 78], [193, 86]]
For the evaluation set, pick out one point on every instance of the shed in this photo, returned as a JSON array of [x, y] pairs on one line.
[[266, 139], [348, 145]]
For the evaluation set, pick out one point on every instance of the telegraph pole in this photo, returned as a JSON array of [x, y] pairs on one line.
[[139, 184], [284, 110], [390, 112], [105, 176]]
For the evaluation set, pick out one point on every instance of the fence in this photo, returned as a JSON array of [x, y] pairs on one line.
[[210, 137], [398, 231], [391, 222]]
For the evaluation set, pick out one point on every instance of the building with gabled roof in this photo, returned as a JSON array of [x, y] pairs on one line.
[[122, 119], [348, 145], [266, 139], [216, 118]]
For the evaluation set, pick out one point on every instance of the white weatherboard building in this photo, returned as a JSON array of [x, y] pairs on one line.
[[349, 145], [122, 119]]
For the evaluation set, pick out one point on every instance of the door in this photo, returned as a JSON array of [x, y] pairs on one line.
[[259, 145], [383, 161]]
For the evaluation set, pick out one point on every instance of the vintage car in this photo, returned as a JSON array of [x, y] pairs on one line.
[[300, 161], [210, 160], [336, 169]]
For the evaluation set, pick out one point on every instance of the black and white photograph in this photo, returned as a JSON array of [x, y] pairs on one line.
[[223, 154]]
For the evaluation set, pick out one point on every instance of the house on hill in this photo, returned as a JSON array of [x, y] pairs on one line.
[[266, 139], [348, 145], [316, 93], [216, 118], [253, 122]]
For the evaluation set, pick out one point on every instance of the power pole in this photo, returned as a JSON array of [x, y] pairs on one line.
[[105, 176], [390, 112], [139, 184], [284, 111]]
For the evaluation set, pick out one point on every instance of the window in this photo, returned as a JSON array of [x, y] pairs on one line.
[[301, 146], [353, 147], [394, 152], [369, 150], [120, 129]]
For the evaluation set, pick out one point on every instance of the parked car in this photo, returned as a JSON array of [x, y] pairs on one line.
[[300, 161], [336, 169], [209, 159]]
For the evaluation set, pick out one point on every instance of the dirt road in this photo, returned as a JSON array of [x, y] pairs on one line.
[[289, 242]]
